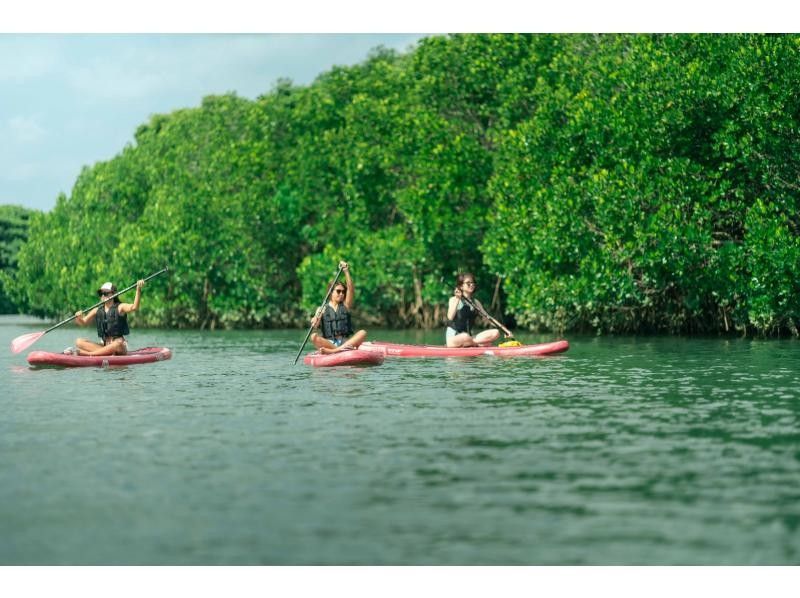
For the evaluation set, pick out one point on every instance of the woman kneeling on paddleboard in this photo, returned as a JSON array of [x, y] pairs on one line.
[[112, 323], [336, 332], [461, 316]]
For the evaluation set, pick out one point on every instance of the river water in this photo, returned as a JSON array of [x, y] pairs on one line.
[[620, 451]]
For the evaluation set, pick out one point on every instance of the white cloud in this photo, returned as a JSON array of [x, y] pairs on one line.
[[25, 129], [144, 67], [113, 80], [20, 172], [165, 67], [26, 57]]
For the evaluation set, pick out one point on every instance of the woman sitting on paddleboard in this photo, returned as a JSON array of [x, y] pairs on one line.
[[461, 316], [336, 333], [112, 323]]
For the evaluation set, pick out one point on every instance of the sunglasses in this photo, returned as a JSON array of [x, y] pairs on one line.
[[469, 282], [340, 291], [108, 294]]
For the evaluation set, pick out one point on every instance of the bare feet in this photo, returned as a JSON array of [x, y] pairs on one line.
[[327, 351]]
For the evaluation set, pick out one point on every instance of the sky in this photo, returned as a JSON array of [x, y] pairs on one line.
[[70, 100]]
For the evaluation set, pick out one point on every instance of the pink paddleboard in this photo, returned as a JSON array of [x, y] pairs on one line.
[[398, 350], [146, 355], [354, 357]]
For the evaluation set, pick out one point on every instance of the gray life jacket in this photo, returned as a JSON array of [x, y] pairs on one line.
[[111, 323], [336, 323]]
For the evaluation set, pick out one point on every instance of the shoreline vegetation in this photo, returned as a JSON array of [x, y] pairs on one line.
[[593, 183]]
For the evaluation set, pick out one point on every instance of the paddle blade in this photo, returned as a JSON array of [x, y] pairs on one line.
[[26, 340]]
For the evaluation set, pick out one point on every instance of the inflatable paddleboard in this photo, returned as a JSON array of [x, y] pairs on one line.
[[354, 357], [399, 350], [146, 355]]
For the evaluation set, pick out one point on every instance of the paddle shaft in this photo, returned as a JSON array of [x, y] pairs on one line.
[[487, 316], [308, 334], [117, 294]]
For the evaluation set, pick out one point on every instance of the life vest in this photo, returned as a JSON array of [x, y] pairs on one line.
[[464, 319], [111, 323], [336, 323]]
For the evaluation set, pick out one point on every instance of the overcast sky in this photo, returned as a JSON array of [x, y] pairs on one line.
[[67, 101]]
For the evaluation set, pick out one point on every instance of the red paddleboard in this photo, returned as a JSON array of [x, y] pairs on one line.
[[398, 350], [146, 355], [354, 357]]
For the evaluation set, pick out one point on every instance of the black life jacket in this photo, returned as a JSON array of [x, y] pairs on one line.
[[336, 323], [464, 319], [111, 323]]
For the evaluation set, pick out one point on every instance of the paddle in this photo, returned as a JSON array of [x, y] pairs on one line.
[[330, 290], [26, 340], [482, 311]]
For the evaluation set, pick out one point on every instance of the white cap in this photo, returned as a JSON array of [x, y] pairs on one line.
[[106, 288]]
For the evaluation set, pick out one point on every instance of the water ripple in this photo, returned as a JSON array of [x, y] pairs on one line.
[[621, 451]]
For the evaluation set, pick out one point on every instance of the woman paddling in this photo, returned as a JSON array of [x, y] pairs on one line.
[[336, 333], [112, 323], [461, 316]]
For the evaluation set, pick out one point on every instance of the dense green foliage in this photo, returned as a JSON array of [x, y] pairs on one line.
[[608, 183], [655, 187], [13, 232]]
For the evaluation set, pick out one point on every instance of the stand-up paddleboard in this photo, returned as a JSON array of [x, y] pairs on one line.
[[399, 350], [354, 357], [146, 355]]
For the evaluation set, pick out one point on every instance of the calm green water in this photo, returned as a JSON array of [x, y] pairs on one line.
[[621, 451]]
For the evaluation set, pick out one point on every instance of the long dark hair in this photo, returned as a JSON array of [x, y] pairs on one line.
[[463, 276]]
